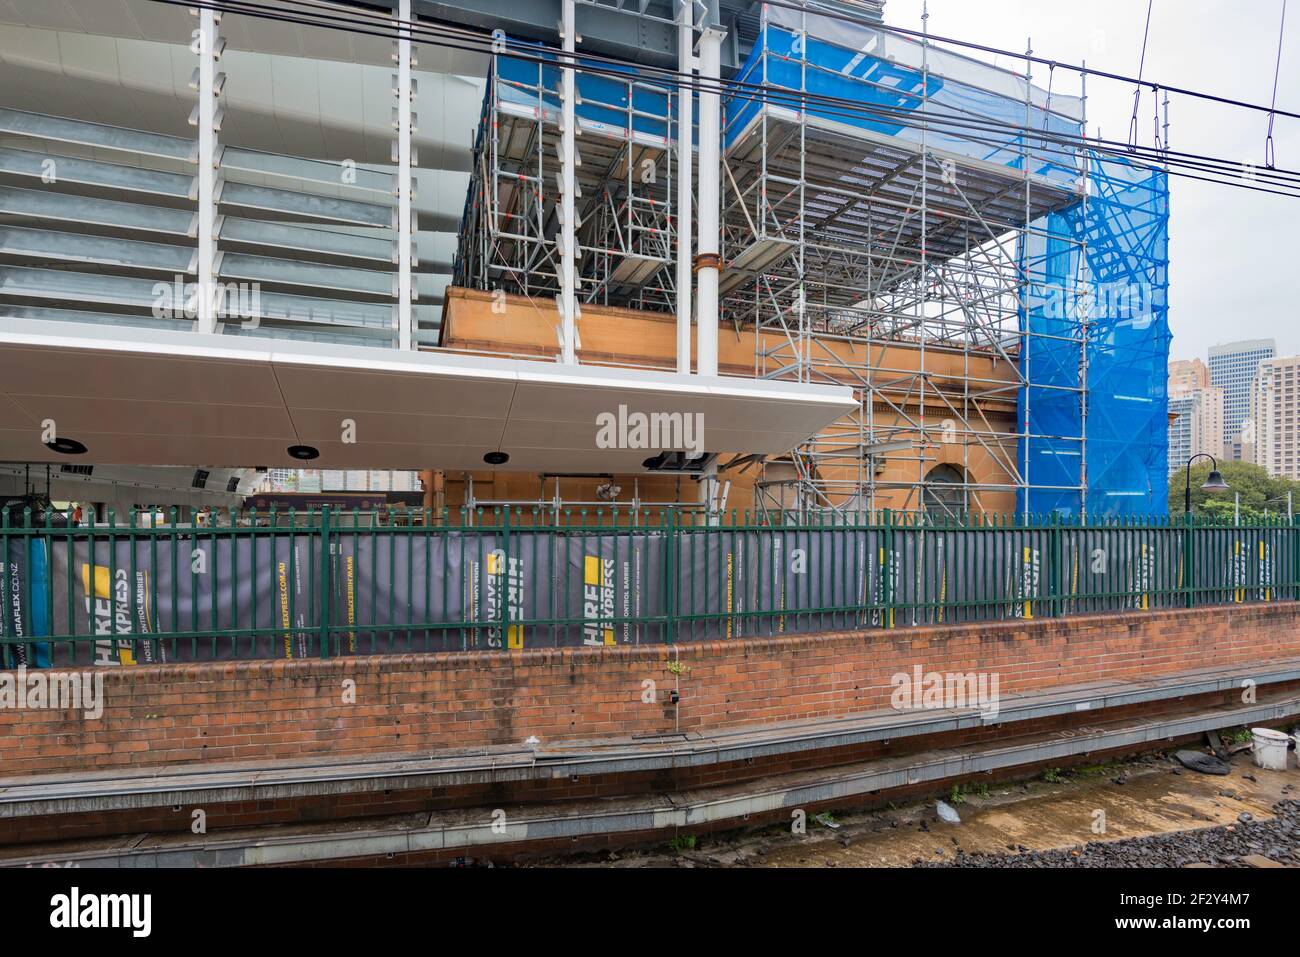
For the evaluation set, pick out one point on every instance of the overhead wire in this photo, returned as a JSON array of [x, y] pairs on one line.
[[1044, 61], [1270, 157], [1246, 176], [1217, 170], [1137, 91]]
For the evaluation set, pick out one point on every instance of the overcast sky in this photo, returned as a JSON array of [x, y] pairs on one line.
[[1234, 255]]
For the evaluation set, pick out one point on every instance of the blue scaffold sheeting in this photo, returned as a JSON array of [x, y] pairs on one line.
[[974, 109], [1122, 291], [605, 103]]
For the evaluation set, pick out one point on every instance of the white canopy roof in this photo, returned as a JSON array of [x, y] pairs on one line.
[[135, 396]]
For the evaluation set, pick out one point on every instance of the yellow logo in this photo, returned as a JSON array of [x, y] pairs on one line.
[[109, 606], [598, 600]]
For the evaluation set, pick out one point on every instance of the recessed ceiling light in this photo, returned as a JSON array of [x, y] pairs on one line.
[[304, 452], [66, 446], [496, 458]]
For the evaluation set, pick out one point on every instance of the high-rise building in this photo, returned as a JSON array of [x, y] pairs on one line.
[[1182, 410], [1187, 374], [1275, 417], [1233, 368], [369, 480], [1195, 413]]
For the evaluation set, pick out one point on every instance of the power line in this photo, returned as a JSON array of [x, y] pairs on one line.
[[1269, 156], [475, 42], [793, 98], [1137, 91], [1081, 70]]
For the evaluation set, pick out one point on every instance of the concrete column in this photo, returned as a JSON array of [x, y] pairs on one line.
[[405, 232], [685, 167], [710, 241], [568, 213]]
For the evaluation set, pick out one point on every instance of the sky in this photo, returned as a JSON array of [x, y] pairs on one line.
[[1234, 255]]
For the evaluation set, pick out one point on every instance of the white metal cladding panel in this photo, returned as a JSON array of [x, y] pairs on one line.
[[155, 397]]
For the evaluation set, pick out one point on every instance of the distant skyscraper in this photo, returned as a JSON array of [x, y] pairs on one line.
[[1188, 374], [1195, 413], [1233, 368], [1182, 410], [1275, 417]]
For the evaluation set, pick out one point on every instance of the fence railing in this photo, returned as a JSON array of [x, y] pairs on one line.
[[324, 583]]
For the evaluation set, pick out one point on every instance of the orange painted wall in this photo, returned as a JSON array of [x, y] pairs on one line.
[[934, 386]]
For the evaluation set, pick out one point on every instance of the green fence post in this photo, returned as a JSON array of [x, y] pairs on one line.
[[1053, 564], [1295, 558], [886, 569], [326, 589], [1188, 541], [670, 559]]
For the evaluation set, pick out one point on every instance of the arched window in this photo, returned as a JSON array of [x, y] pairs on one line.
[[944, 493]]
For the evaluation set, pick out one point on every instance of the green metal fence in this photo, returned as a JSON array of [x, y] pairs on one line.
[[292, 584]]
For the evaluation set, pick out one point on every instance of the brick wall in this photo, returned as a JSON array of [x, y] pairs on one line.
[[312, 807], [253, 710]]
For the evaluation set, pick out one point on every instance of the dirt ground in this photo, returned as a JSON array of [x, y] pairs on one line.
[[1124, 802]]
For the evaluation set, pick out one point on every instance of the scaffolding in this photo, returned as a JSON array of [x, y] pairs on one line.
[[624, 197], [918, 225]]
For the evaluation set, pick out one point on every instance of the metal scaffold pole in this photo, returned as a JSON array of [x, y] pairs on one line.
[[922, 301], [1026, 355], [1086, 306]]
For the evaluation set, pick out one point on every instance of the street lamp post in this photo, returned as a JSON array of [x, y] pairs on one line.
[[1213, 482]]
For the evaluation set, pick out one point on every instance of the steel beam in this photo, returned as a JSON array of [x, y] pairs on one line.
[[604, 31], [206, 46]]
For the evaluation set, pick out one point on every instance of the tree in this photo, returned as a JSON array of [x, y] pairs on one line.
[[1259, 491]]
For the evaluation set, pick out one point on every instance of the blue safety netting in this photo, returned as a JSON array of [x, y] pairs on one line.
[[605, 103], [1121, 288], [973, 109]]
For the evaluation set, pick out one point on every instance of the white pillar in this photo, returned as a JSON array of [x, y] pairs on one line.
[[206, 120], [710, 183], [568, 228], [404, 182], [685, 165]]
